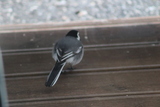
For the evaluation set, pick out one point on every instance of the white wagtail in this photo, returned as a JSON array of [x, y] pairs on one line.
[[69, 50]]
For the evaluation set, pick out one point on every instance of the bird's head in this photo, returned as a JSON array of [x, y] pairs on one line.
[[73, 33]]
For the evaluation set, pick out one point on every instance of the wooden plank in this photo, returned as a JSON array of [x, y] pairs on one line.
[[145, 101], [84, 84], [92, 35], [13, 28], [93, 58], [120, 67]]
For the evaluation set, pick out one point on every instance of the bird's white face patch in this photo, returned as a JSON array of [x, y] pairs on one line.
[[78, 37]]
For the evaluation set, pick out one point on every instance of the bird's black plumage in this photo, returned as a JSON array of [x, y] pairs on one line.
[[69, 49]]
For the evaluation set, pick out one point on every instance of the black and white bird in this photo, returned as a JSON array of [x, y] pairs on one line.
[[69, 50]]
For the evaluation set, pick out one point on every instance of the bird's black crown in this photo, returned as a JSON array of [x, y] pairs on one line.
[[73, 33]]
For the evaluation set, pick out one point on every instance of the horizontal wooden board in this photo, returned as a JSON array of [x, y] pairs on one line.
[[93, 59], [142, 101], [92, 35], [91, 23], [85, 84]]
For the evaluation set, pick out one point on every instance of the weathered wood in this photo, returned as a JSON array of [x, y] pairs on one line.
[[94, 58], [120, 67], [140, 101], [113, 34], [86, 84], [89, 23]]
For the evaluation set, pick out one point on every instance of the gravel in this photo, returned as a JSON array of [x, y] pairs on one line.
[[46, 11]]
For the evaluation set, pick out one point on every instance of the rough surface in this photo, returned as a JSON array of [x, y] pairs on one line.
[[40, 11]]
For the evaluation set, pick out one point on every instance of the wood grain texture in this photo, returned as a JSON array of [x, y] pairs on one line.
[[77, 85], [125, 33], [84, 84], [145, 101], [120, 68], [94, 58], [80, 24]]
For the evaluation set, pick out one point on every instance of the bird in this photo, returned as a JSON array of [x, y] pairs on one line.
[[67, 50]]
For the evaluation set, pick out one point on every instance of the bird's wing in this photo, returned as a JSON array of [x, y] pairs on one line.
[[63, 57]]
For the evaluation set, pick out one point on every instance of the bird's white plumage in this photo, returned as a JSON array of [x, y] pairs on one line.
[[79, 50], [65, 58], [67, 54], [55, 80], [78, 37]]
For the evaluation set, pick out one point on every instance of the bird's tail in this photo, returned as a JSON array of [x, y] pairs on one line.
[[54, 74]]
